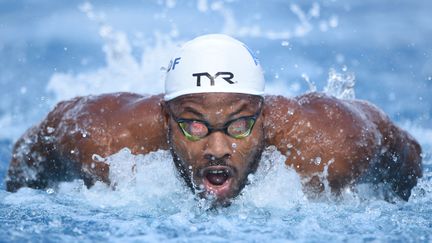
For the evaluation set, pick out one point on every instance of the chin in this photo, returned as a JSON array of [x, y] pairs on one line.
[[217, 181]]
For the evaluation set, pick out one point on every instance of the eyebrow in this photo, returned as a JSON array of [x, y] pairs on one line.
[[193, 111], [240, 109]]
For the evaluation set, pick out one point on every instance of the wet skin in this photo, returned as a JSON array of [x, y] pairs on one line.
[[351, 139], [217, 164]]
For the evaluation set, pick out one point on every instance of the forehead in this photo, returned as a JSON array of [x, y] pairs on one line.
[[216, 101]]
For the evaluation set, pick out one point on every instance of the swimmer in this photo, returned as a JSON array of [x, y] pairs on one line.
[[216, 121]]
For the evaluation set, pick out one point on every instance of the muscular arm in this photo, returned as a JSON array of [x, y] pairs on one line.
[[345, 141], [62, 146]]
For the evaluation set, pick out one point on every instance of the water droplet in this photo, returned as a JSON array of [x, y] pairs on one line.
[[251, 177], [97, 158], [317, 161], [23, 90], [50, 130], [333, 21], [285, 43]]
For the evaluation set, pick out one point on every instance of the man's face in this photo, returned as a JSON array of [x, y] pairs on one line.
[[216, 162]]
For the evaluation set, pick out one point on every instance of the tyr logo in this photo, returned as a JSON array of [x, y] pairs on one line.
[[227, 76]]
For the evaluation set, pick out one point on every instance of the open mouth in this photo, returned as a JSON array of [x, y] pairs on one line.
[[217, 180], [217, 177]]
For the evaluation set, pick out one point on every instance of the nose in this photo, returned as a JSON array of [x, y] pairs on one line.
[[218, 146]]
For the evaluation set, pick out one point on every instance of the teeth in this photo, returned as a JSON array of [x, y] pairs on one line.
[[217, 171]]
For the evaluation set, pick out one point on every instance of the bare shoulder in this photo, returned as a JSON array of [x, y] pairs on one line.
[[316, 131], [63, 145], [104, 123], [321, 113], [351, 140]]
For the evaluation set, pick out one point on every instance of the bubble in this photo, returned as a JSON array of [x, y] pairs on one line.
[[234, 145], [285, 43]]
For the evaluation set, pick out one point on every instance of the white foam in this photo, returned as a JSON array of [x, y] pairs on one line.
[[274, 185]]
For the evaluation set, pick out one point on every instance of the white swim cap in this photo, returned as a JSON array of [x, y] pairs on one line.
[[213, 63]]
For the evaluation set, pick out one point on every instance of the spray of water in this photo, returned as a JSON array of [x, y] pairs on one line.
[[340, 85], [123, 72]]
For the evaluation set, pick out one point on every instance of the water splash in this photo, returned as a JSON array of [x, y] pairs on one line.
[[123, 72], [153, 177], [155, 204], [340, 85], [307, 21], [274, 185]]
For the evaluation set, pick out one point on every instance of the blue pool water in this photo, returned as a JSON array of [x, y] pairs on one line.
[[54, 50]]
